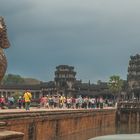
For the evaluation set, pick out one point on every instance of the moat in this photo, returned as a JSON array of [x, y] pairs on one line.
[[119, 137]]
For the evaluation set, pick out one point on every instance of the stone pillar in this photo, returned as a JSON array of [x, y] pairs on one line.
[[9, 135]]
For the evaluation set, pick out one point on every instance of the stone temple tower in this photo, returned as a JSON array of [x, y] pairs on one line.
[[65, 78], [133, 76]]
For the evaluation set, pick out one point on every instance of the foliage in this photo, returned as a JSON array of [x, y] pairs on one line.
[[12, 79], [115, 84], [16, 95], [99, 82]]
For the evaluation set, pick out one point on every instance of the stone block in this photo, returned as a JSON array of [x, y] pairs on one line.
[[11, 135]]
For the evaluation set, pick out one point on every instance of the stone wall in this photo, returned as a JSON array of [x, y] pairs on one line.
[[9, 135], [128, 120], [62, 124]]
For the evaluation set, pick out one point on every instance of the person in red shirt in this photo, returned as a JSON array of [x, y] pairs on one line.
[[2, 101]]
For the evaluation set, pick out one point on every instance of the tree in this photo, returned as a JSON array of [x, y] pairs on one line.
[[99, 82], [115, 85], [16, 95], [12, 79]]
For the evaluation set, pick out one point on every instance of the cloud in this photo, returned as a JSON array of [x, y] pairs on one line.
[[97, 37]]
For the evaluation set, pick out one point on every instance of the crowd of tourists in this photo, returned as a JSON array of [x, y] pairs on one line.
[[55, 102], [20, 102], [59, 101]]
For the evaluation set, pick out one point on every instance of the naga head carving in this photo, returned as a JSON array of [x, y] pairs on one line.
[[4, 43]]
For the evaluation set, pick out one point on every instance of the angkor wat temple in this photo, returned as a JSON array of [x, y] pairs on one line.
[[65, 83]]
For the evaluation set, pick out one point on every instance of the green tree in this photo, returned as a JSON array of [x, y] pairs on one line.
[[16, 95], [12, 79], [99, 82], [115, 85]]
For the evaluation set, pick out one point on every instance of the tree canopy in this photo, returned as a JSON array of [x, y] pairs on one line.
[[10, 79], [115, 84]]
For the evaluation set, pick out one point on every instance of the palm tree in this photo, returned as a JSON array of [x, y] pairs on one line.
[[115, 86]]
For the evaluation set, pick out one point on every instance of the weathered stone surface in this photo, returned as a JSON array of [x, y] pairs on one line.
[[2, 126], [61, 124], [4, 43], [128, 117], [11, 135], [3, 64]]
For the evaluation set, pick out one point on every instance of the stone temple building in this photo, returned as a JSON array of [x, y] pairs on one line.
[[133, 77], [64, 83], [65, 79]]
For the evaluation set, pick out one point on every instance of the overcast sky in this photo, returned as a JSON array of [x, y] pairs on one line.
[[97, 37]]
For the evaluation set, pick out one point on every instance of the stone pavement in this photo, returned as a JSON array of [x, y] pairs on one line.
[[33, 109]]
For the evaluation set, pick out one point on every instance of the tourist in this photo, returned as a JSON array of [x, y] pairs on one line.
[[73, 102], [43, 101], [47, 102], [92, 103], [101, 101], [2, 102], [51, 102], [11, 101], [69, 102], [56, 101], [80, 101], [62, 101], [85, 102], [20, 102], [27, 98]]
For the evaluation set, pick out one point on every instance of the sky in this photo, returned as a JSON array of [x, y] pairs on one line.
[[97, 37]]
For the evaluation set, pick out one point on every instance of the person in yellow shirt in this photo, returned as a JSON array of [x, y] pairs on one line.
[[27, 98]]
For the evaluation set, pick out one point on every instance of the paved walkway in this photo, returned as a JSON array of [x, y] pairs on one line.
[[43, 109]]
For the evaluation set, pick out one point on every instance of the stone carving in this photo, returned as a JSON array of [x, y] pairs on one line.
[[4, 43]]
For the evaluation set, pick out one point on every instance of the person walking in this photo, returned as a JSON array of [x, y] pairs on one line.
[[43, 101], [2, 102], [20, 102], [27, 98]]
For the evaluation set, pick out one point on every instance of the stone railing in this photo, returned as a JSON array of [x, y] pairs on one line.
[[9, 135], [131, 104], [40, 124]]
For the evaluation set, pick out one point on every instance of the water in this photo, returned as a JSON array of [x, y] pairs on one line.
[[119, 137]]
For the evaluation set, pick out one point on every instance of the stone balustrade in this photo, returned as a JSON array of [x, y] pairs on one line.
[[128, 105], [60, 124], [9, 135]]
